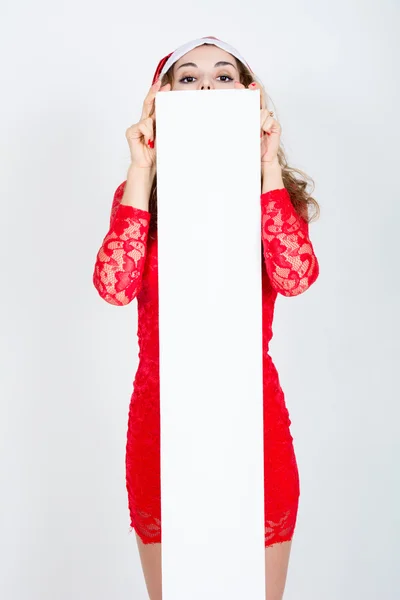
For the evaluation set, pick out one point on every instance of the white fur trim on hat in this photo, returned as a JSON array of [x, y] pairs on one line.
[[182, 50]]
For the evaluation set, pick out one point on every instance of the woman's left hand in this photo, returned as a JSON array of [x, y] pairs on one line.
[[270, 129]]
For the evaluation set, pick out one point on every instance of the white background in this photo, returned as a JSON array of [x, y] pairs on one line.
[[74, 76]]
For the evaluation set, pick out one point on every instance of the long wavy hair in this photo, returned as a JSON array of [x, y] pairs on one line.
[[294, 180]]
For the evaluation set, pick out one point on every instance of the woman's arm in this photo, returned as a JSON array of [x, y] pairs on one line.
[[120, 260], [289, 256]]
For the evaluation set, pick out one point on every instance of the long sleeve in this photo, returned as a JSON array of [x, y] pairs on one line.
[[289, 256], [120, 260]]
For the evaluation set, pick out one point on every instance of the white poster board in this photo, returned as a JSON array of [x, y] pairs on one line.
[[209, 260]]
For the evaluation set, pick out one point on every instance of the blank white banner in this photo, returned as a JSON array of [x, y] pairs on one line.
[[209, 261]]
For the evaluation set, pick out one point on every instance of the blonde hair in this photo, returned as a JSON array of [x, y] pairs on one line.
[[296, 186]]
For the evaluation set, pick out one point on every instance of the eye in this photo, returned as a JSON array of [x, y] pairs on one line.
[[187, 77], [225, 79], [228, 78]]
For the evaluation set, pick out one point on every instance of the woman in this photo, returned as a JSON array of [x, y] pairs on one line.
[[126, 268]]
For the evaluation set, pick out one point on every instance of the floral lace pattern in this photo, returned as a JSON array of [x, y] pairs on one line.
[[120, 260], [289, 257], [126, 267]]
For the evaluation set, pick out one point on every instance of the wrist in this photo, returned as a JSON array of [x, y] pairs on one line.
[[271, 176], [271, 166], [138, 187], [143, 174]]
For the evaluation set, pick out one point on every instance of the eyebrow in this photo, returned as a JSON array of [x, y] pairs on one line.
[[221, 63]]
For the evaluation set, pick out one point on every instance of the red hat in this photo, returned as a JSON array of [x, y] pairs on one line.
[[171, 58]]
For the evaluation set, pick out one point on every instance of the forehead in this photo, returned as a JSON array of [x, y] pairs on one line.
[[205, 56]]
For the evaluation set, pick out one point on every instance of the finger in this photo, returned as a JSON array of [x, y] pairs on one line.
[[143, 129], [267, 129], [150, 125], [267, 120], [239, 86], [264, 118], [147, 134], [165, 88], [256, 86], [148, 131], [149, 100], [270, 126]]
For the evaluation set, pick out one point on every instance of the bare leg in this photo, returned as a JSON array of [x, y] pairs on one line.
[[276, 566], [150, 557]]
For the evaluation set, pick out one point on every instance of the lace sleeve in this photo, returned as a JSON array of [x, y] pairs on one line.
[[120, 260], [290, 260]]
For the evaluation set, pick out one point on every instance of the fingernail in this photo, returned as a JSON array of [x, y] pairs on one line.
[[151, 143], [252, 85]]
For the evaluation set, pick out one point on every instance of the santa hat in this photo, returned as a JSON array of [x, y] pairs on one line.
[[171, 58]]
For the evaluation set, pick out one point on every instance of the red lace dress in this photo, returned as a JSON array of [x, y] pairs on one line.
[[126, 268]]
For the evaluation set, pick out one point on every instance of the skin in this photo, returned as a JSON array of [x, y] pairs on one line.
[[205, 76], [201, 74]]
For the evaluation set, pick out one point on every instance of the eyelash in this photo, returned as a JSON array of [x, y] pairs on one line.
[[191, 77]]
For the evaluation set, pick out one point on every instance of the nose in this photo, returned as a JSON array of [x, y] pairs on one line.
[[205, 86]]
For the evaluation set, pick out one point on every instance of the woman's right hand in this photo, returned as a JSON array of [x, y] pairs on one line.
[[141, 135]]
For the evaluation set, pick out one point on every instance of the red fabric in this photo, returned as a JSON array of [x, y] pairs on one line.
[[126, 268], [160, 67]]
